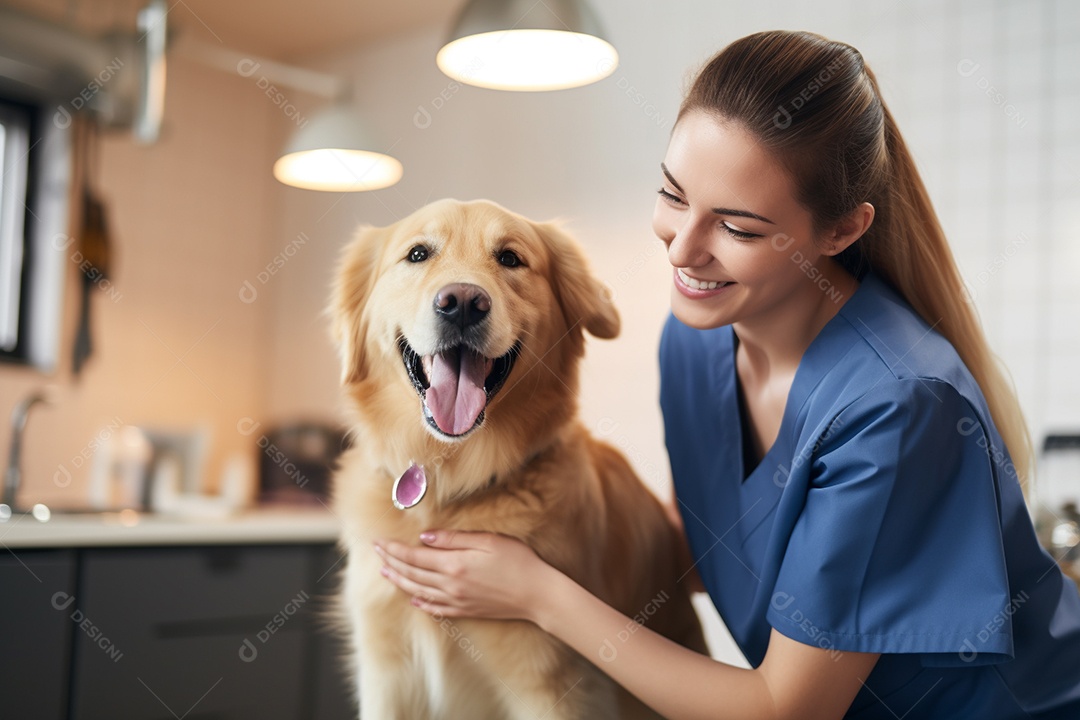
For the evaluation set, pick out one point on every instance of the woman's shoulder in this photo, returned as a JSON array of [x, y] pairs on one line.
[[889, 337], [878, 355]]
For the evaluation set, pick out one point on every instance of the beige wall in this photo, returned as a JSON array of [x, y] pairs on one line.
[[192, 217]]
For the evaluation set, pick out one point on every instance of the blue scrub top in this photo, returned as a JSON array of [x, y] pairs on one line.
[[887, 517]]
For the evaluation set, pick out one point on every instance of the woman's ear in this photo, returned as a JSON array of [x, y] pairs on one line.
[[848, 229], [357, 272], [584, 299]]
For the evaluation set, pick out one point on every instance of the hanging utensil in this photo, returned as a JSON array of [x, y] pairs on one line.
[[93, 244]]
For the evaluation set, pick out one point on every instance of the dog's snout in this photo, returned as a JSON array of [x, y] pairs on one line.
[[462, 304]]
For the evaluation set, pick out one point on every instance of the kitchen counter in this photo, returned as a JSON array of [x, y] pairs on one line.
[[130, 528]]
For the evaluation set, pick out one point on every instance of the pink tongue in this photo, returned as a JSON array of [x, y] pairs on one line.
[[456, 394]]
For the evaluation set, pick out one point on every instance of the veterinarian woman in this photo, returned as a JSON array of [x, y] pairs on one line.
[[848, 460]]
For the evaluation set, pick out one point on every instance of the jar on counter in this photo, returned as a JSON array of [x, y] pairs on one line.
[[1057, 497]]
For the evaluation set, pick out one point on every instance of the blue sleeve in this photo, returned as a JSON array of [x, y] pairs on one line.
[[899, 546]]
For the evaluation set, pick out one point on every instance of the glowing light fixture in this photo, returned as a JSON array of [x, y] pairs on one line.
[[527, 45], [325, 154]]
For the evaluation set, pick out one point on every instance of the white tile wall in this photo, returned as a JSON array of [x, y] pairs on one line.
[[999, 155]]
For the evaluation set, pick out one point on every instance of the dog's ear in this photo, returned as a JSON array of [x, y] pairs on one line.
[[357, 272], [584, 299]]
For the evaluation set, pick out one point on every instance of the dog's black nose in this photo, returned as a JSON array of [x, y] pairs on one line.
[[462, 304]]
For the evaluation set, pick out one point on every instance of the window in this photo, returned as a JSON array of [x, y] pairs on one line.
[[16, 125]]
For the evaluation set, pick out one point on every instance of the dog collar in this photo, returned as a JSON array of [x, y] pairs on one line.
[[410, 487]]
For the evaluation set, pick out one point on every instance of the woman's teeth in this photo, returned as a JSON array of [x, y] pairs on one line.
[[698, 284]]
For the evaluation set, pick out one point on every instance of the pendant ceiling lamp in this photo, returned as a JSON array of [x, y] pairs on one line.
[[326, 154], [527, 45]]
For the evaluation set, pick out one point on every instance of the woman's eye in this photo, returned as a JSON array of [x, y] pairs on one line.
[[671, 198], [418, 254], [509, 258], [741, 234]]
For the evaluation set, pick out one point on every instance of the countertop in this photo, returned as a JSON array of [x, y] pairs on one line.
[[130, 528]]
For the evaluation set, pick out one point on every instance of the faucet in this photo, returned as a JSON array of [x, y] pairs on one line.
[[13, 474]]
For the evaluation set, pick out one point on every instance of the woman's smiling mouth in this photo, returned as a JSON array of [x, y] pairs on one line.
[[694, 288]]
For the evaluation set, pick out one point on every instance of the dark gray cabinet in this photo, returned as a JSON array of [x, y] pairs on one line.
[[36, 623], [154, 633]]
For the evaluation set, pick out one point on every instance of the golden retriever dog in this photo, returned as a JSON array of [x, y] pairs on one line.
[[460, 329]]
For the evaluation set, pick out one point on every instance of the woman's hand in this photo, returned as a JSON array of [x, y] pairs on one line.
[[467, 574]]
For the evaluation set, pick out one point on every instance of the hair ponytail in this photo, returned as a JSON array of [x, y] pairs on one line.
[[816, 107], [911, 252]]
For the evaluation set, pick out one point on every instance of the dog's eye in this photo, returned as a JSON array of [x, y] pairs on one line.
[[509, 258], [418, 254]]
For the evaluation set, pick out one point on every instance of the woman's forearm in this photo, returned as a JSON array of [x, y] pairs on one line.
[[482, 575], [675, 681]]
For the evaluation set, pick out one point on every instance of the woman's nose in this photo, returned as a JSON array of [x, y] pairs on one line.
[[687, 246]]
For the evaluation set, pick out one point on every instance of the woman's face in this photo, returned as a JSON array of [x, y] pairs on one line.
[[740, 244]]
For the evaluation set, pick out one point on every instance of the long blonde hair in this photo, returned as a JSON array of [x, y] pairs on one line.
[[815, 105]]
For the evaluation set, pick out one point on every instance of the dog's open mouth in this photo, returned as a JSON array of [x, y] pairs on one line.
[[457, 384]]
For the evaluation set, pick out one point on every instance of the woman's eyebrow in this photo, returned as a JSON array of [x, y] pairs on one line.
[[671, 179], [718, 211]]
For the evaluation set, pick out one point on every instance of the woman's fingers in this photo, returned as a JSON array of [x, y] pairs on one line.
[[433, 573], [415, 573], [419, 591], [427, 598], [419, 557], [465, 574]]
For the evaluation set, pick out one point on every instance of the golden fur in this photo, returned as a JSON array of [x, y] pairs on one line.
[[530, 471]]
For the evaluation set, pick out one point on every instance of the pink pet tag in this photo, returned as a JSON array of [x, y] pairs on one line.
[[410, 487]]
